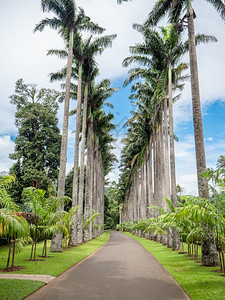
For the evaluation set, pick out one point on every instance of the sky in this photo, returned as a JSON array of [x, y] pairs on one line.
[[23, 55]]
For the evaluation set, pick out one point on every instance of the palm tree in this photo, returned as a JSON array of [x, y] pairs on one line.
[[88, 50], [84, 53], [12, 223], [34, 202], [64, 20], [175, 8], [69, 23], [159, 53], [98, 126]]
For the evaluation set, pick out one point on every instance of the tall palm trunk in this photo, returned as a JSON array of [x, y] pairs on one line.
[[158, 199], [172, 150], [163, 174], [166, 147], [154, 170], [139, 198], [150, 181], [133, 201], [138, 195], [175, 236], [150, 211], [209, 253], [81, 181], [135, 197], [167, 169], [95, 190], [159, 184], [147, 184], [162, 162], [56, 244], [73, 232], [196, 106], [89, 184], [98, 199], [102, 198], [143, 193]]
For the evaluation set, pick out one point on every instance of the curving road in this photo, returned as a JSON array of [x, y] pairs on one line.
[[121, 270]]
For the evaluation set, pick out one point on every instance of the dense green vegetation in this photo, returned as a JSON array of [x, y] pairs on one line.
[[37, 146], [111, 207]]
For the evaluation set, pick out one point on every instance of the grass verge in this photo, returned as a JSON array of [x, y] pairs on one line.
[[13, 289], [200, 283], [54, 265]]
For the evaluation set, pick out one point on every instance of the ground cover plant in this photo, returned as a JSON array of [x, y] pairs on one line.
[[199, 282], [54, 265]]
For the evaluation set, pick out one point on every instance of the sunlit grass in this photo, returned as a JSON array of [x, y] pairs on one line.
[[200, 283], [57, 262], [14, 289]]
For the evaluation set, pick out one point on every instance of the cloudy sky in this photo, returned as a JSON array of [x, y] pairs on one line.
[[23, 55]]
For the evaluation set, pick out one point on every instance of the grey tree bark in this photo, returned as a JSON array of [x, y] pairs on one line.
[[135, 197], [95, 195], [56, 244], [89, 184], [174, 233], [81, 181], [167, 168], [209, 253], [163, 174], [73, 232]]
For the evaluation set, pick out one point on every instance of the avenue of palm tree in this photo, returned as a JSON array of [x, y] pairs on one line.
[[154, 145], [146, 196]]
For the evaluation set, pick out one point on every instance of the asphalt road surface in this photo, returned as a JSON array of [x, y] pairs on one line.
[[121, 270]]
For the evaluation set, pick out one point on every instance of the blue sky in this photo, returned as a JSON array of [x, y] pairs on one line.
[[23, 55]]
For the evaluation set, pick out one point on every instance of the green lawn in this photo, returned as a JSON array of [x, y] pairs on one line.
[[200, 283], [54, 265], [13, 289]]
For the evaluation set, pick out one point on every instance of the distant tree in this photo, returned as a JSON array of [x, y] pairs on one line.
[[111, 207], [221, 162], [69, 184], [37, 146]]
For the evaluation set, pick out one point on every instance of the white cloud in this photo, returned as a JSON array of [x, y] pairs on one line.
[[6, 147], [186, 163], [69, 167], [117, 147], [210, 139]]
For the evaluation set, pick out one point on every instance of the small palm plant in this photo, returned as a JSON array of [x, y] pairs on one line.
[[91, 221], [34, 203], [60, 221], [12, 224]]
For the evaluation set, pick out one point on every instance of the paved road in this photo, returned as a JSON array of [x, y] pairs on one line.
[[121, 270]]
